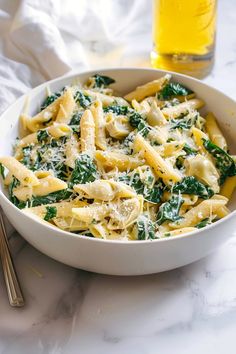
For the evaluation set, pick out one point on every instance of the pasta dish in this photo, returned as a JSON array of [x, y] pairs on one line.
[[144, 166]]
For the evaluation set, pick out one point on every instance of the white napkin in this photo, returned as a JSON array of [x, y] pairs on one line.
[[41, 40]]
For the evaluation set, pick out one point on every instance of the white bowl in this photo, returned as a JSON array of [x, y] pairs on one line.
[[121, 257]]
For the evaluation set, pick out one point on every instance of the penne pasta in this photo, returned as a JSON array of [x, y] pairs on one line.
[[66, 107], [25, 176], [123, 162], [214, 132], [149, 89], [100, 134], [182, 108], [87, 131], [161, 167], [204, 210], [139, 167]]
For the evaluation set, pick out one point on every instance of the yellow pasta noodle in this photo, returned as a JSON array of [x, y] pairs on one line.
[[200, 212], [148, 89], [160, 166], [140, 167], [100, 134], [214, 131], [182, 108], [87, 128], [25, 176], [123, 162], [67, 107], [228, 187]]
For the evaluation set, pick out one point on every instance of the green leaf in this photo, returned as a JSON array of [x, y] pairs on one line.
[[145, 228], [50, 99], [183, 123], [86, 233], [26, 160], [102, 80], [42, 135], [189, 150], [191, 185], [119, 110], [203, 223], [15, 183], [154, 194], [173, 89], [128, 142], [45, 161], [179, 163], [51, 198], [136, 121], [144, 129], [51, 212], [83, 100], [75, 120], [150, 193], [170, 210], [85, 170], [2, 169], [224, 162]]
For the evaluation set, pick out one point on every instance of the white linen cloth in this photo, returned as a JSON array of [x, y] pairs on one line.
[[44, 39]]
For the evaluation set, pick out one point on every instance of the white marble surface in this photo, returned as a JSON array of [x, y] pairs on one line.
[[185, 311]]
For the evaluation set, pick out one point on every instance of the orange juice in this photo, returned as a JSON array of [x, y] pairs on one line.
[[184, 35]]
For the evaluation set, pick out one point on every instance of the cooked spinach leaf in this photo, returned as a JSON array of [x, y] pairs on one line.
[[183, 123], [51, 156], [2, 171], [75, 120], [170, 210], [119, 110], [174, 89], [83, 100], [154, 194], [145, 228], [128, 143], [26, 160], [15, 183], [189, 150], [150, 193], [50, 99], [83, 233], [203, 223], [191, 185], [224, 162], [85, 170], [179, 163], [136, 121], [171, 103], [51, 212], [102, 80], [54, 197], [144, 129], [42, 135]]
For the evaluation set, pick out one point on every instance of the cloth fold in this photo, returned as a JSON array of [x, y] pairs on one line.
[[41, 40]]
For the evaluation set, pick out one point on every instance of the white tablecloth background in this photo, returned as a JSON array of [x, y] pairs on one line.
[[43, 39]]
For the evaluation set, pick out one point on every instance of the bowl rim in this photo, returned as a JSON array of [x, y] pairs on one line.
[[93, 239]]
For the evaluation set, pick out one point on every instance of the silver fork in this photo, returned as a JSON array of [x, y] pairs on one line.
[[14, 292]]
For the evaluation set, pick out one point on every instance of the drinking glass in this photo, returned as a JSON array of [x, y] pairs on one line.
[[184, 36]]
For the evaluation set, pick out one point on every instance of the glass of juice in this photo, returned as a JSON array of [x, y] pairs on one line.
[[184, 36]]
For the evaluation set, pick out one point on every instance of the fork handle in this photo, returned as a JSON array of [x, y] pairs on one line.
[[14, 292]]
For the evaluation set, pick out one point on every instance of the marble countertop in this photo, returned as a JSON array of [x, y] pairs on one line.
[[190, 310]]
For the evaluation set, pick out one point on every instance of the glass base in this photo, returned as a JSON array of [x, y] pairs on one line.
[[194, 65]]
